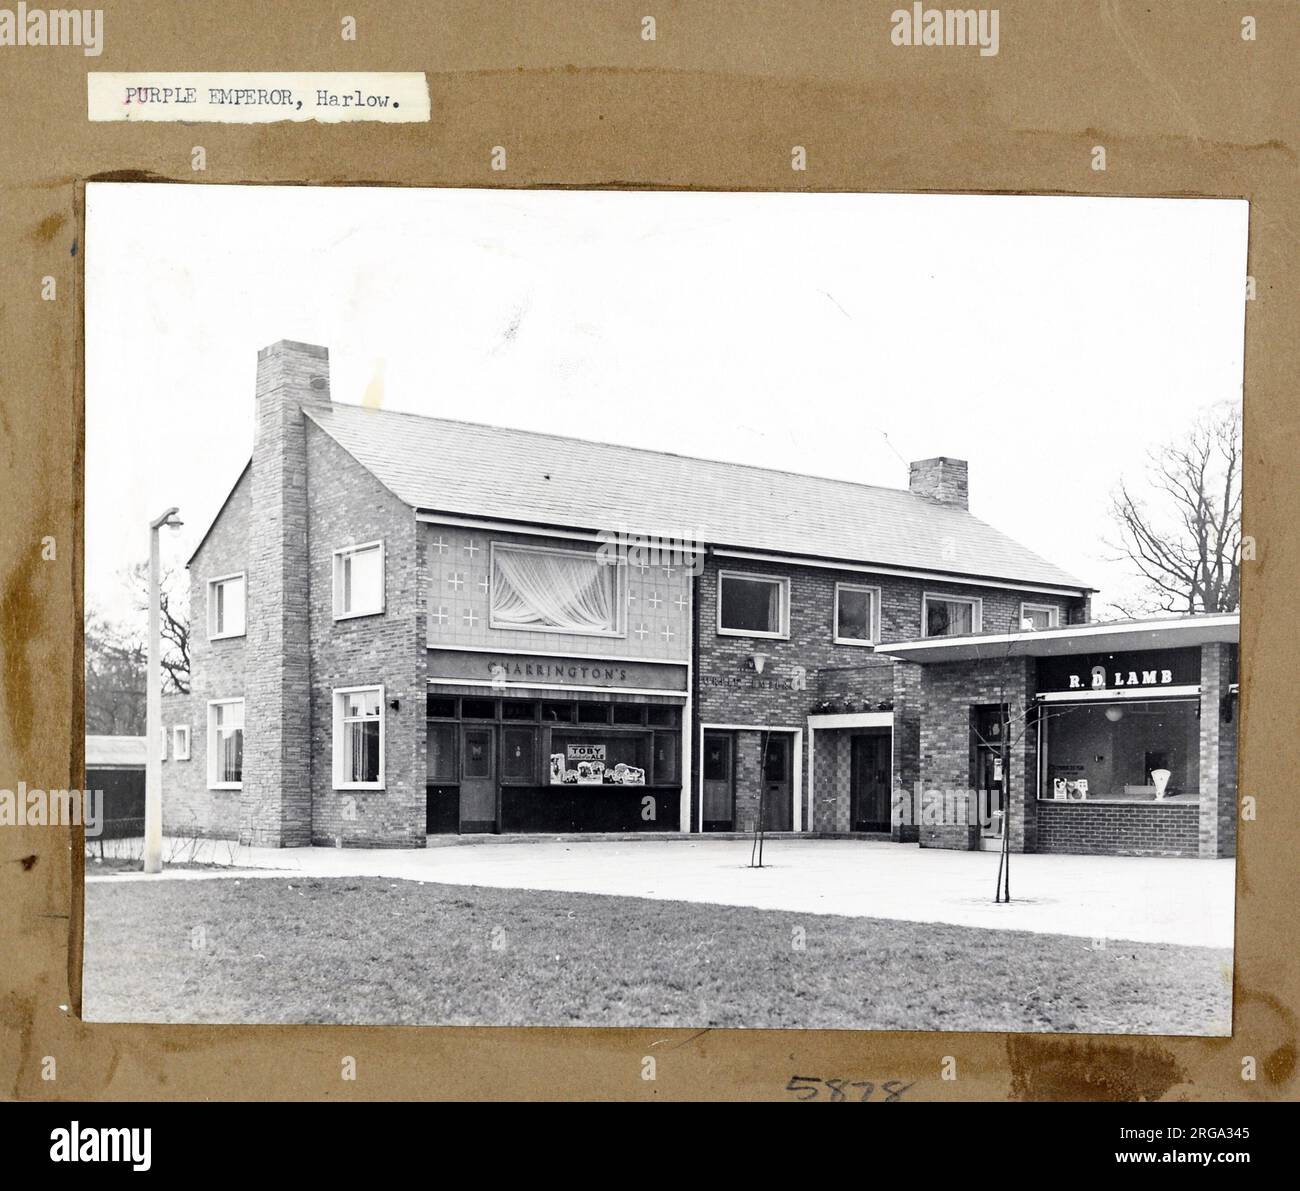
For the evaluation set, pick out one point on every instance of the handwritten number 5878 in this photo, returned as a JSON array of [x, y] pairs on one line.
[[806, 1087]]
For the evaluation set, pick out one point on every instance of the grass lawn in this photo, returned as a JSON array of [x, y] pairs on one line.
[[372, 950]]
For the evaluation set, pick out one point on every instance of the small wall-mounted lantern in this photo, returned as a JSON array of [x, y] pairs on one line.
[[1227, 704], [757, 662]]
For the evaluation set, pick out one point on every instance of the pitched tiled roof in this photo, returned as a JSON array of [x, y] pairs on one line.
[[518, 475]]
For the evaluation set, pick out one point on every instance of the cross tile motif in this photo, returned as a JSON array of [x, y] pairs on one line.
[[470, 548], [654, 601], [668, 633], [440, 616], [470, 619], [483, 585], [442, 545], [455, 581], [681, 601], [641, 632]]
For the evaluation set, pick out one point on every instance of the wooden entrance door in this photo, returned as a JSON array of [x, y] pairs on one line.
[[869, 782], [778, 808], [718, 765], [478, 778]]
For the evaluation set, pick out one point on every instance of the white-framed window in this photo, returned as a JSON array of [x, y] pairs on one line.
[[548, 589], [181, 742], [359, 580], [226, 606], [226, 744], [359, 738], [1039, 616], [950, 616], [857, 614], [753, 605]]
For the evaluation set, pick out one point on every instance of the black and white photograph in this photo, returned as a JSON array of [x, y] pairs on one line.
[[662, 608]]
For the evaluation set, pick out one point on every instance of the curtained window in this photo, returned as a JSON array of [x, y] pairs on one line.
[[359, 738], [226, 744], [948, 617], [1034, 617], [564, 591]]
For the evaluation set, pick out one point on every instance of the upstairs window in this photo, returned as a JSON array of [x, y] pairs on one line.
[[1034, 617], [561, 591], [857, 614], [359, 580], [359, 738], [226, 607], [181, 742], [950, 616], [753, 605]]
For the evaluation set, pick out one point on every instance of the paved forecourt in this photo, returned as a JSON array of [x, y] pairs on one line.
[[1094, 897]]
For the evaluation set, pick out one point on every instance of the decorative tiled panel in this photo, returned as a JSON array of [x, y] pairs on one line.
[[457, 600]]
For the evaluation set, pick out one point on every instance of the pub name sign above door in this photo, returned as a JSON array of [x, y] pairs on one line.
[[1148, 669]]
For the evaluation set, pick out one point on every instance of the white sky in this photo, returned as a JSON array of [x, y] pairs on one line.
[[1049, 341]]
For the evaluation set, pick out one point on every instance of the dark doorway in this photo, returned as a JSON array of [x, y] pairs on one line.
[[778, 811], [718, 765], [869, 782], [478, 778]]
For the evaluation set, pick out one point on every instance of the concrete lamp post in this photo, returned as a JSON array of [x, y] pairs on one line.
[[153, 706]]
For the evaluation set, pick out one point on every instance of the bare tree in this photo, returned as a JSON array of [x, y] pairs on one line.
[[1181, 528], [115, 679], [173, 623]]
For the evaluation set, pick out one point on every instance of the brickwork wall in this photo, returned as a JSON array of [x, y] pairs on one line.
[[348, 507], [1217, 826], [906, 767], [1099, 829], [810, 667], [277, 808], [217, 671], [949, 692]]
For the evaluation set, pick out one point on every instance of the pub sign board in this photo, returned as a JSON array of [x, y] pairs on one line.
[[1148, 669]]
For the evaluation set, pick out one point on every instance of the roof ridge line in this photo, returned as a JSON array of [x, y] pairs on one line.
[[596, 442]]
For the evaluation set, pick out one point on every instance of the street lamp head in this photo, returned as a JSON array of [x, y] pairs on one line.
[[168, 518]]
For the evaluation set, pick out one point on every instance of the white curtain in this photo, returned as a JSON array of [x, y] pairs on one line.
[[565, 592]]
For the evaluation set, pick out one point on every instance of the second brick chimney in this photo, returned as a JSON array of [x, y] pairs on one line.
[[277, 761], [941, 479]]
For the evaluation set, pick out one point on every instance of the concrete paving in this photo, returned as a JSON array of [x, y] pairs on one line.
[[1147, 900]]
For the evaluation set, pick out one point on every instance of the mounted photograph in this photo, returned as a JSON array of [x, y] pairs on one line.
[[610, 608]]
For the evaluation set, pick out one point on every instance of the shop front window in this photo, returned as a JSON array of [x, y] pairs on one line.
[[1122, 751], [598, 758]]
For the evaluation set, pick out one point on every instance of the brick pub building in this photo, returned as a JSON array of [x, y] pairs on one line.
[[407, 626]]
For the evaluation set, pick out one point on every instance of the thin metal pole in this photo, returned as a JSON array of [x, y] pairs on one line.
[[153, 722]]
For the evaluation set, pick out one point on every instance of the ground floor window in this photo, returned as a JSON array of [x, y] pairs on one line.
[[595, 758], [509, 764], [226, 744], [359, 738], [1126, 750]]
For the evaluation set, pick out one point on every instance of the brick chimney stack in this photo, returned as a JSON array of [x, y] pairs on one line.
[[277, 761], [940, 479]]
